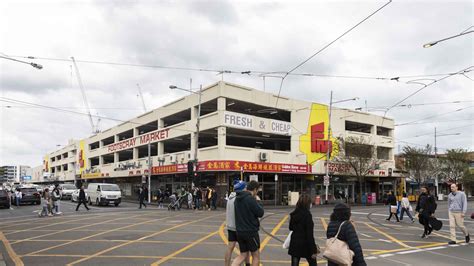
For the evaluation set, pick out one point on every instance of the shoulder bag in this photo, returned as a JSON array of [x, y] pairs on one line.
[[338, 251], [286, 244]]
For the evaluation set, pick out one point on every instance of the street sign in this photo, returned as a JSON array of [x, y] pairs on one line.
[[326, 180]]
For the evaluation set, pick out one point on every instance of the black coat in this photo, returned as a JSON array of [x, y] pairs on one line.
[[426, 204], [302, 243], [392, 200], [349, 235], [247, 212], [82, 194]]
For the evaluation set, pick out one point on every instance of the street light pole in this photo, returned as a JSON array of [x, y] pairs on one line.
[[149, 172]]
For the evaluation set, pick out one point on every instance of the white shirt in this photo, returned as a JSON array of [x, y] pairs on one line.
[[18, 194], [405, 203]]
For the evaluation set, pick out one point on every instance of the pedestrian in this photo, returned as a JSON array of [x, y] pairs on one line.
[[197, 203], [406, 207], [45, 202], [425, 208], [190, 200], [248, 209], [214, 199], [204, 198], [56, 197], [392, 202], [18, 197], [230, 221], [82, 199], [340, 220], [302, 244], [159, 198], [141, 196], [208, 198], [10, 198], [457, 207]]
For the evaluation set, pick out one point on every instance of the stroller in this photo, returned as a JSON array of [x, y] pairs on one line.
[[174, 203]]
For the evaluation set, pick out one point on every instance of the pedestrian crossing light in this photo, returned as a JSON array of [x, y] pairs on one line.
[[191, 168]]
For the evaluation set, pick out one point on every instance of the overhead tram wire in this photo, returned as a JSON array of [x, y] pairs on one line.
[[9, 100], [425, 86], [410, 105], [432, 116], [324, 48], [442, 131]]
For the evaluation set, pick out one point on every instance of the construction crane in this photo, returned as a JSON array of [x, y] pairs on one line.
[[95, 128], [141, 96]]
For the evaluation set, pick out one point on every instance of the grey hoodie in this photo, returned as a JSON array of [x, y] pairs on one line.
[[230, 212]]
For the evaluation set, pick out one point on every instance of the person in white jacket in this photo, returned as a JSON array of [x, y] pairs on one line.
[[406, 207]]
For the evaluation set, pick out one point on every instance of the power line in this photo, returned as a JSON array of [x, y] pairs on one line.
[[324, 48], [447, 130], [410, 105], [425, 86], [428, 117], [439, 121]]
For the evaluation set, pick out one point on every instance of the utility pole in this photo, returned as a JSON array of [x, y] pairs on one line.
[[436, 161], [149, 172], [196, 139], [328, 152]]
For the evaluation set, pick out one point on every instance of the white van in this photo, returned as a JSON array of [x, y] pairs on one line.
[[103, 193]]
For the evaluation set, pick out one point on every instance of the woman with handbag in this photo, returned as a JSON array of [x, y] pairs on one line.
[[392, 201], [302, 244], [343, 246]]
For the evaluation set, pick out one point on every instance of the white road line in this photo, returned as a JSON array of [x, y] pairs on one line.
[[410, 251], [385, 240], [454, 245], [386, 255], [435, 248], [366, 235], [370, 258]]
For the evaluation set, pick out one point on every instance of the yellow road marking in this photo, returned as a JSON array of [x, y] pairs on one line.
[[10, 251], [325, 225], [94, 235], [441, 235], [274, 231], [75, 228], [389, 236], [168, 257], [139, 239], [222, 234]]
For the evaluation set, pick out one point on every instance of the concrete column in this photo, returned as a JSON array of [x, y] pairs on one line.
[[221, 141], [116, 157], [101, 160], [135, 153], [221, 104]]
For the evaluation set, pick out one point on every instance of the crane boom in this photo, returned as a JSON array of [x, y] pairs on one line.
[[84, 98], [141, 96]]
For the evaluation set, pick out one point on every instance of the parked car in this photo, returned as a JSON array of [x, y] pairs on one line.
[[28, 195], [4, 199], [75, 195], [67, 190], [104, 194]]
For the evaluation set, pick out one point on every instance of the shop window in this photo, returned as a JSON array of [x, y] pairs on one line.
[[383, 153]]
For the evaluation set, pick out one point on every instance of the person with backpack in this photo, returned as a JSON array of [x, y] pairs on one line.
[[406, 207], [392, 203], [230, 221], [457, 207], [302, 244], [141, 196], [425, 208], [341, 225], [247, 211]]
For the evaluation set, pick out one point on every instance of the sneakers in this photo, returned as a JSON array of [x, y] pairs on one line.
[[468, 239], [412, 220], [452, 243], [424, 236], [429, 231]]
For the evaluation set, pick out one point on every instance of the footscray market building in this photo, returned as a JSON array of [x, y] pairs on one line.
[[242, 135]]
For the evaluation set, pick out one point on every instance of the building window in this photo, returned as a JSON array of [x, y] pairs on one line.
[[383, 153], [108, 141], [358, 127], [152, 126], [358, 150], [257, 140], [65, 167], [108, 158], [125, 155], [383, 131], [94, 146], [178, 144], [94, 161], [257, 110], [125, 135], [143, 150], [177, 118], [208, 107]]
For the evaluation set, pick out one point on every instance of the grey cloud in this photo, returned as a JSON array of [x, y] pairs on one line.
[[219, 12]]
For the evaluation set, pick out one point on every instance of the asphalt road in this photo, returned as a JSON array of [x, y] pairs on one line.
[[126, 235]]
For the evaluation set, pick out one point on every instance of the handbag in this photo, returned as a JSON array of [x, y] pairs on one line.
[[338, 251], [286, 244], [435, 223], [393, 209]]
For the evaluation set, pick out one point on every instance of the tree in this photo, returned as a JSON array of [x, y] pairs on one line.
[[360, 155], [455, 164], [418, 163]]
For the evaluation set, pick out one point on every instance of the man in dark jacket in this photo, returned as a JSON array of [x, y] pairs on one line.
[[82, 199], [247, 211], [425, 207], [392, 203], [141, 196]]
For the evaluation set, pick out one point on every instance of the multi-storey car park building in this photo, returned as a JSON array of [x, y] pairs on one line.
[[241, 134]]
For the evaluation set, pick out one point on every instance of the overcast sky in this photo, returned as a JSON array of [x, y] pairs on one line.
[[229, 35]]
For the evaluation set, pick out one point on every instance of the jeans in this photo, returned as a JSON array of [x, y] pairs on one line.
[[407, 211], [17, 201], [197, 203]]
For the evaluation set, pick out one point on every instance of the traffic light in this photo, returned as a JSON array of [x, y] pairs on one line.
[[191, 168]]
